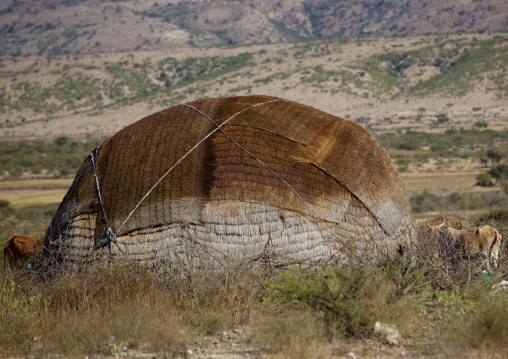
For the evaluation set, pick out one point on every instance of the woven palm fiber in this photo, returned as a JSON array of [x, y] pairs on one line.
[[219, 206]]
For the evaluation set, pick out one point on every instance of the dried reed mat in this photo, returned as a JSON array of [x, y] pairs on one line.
[[173, 190]]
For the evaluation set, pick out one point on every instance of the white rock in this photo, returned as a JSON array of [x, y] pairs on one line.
[[388, 331], [501, 286]]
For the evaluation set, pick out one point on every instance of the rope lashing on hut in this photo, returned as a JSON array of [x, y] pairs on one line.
[[112, 235], [265, 166], [109, 232], [183, 157]]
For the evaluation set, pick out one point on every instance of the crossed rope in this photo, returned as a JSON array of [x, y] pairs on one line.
[[112, 236]]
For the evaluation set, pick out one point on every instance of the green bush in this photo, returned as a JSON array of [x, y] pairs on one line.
[[496, 215], [35, 157], [484, 179], [424, 201], [499, 172], [442, 118], [481, 124], [453, 143], [352, 298], [494, 155]]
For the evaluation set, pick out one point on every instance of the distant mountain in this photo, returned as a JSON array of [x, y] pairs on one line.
[[50, 27], [419, 82]]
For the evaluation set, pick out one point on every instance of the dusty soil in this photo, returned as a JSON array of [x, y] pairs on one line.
[[237, 343]]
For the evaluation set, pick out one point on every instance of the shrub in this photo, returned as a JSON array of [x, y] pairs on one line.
[[442, 118], [499, 172], [60, 141], [494, 155], [423, 202], [351, 299], [484, 179], [496, 215], [481, 124], [485, 328]]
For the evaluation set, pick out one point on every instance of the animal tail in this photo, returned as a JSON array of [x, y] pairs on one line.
[[5, 259], [497, 238], [495, 242]]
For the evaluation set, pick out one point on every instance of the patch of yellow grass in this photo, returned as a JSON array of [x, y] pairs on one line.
[[443, 182], [27, 198], [45, 183], [25, 193]]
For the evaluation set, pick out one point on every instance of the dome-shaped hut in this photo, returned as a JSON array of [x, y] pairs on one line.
[[228, 181]]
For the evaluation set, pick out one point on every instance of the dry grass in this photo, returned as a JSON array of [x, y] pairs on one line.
[[112, 308], [37, 183], [446, 182], [483, 331], [23, 199], [107, 308], [293, 334], [23, 193]]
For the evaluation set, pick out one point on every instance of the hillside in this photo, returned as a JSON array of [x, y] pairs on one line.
[[432, 81], [52, 27]]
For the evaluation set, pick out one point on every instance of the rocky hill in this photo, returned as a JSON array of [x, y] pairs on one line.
[[437, 81], [51, 27], [86, 68]]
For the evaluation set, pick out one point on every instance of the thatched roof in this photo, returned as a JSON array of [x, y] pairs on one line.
[[222, 194]]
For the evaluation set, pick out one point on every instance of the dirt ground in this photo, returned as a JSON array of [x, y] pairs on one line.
[[236, 344]]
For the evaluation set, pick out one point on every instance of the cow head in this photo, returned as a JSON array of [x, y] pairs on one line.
[[436, 230]]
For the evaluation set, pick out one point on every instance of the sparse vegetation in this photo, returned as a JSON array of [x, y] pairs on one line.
[[408, 147], [446, 67], [111, 308], [427, 202], [62, 157]]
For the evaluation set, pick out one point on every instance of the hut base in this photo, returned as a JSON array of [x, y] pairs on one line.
[[253, 236]]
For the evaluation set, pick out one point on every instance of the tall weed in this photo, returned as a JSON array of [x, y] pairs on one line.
[[105, 308], [485, 329]]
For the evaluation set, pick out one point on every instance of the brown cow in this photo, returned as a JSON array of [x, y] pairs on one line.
[[471, 243], [19, 249]]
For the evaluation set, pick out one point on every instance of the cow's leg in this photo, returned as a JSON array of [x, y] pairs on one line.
[[487, 260], [495, 256], [11, 259], [484, 252]]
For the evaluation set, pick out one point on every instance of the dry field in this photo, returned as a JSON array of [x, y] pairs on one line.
[[23, 193]]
